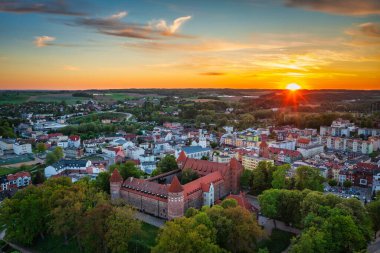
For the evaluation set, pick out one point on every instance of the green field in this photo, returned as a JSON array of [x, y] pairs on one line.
[[57, 98], [30, 168]]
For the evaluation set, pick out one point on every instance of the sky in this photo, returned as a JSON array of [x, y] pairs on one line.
[[257, 44]]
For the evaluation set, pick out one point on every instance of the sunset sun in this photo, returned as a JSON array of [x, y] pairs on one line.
[[293, 87]]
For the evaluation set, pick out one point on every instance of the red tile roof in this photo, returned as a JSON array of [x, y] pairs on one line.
[[203, 167], [182, 157], [116, 177], [235, 165], [74, 137], [175, 186], [17, 175], [202, 182], [242, 201], [148, 187], [303, 140], [287, 152]]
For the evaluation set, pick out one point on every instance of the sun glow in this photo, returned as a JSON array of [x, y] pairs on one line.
[[293, 87]]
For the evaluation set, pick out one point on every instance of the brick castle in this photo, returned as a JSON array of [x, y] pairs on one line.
[[164, 196]]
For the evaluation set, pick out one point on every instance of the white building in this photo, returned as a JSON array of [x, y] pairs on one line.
[[208, 194], [289, 144], [311, 151], [22, 148]]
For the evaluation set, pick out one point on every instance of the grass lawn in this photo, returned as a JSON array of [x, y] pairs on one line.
[[277, 242], [13, 98]]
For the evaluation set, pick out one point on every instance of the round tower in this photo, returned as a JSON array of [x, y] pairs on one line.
[[176, 200], [115, 184]]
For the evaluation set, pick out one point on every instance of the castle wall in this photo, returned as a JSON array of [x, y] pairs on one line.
[[146, 203]]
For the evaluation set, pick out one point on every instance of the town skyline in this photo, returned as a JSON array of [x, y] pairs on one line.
[[81, 45]]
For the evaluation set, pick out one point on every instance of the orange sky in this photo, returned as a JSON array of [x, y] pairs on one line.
[[175, 44]]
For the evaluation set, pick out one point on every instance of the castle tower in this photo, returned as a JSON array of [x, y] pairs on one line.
[[264, 150], [176, 201], [115, 184], [236, 170], [181, 159]]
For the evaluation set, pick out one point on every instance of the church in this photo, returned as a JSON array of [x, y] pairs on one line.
[[163, 196]]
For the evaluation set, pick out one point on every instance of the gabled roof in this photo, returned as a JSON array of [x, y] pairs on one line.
[[74, 137], [203, 167], [194, 149], [116, 177], [182, 157], [202, 183], [175, 186], [147, 187]]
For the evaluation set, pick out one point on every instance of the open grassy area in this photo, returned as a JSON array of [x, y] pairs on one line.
[[30, 168], [277, 242], [68, 98]]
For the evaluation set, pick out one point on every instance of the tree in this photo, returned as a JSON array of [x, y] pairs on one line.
[[188, 175], [92, 228], [308, 178], [279, 177], [373, 209], [332, 182], [54, 156], [347, 184], [246, 179], [102, 181], [192, 235], [38, 178], [262, 177], [41, 147], [121, 226], [127, 169], [269, 202], [25, 215], [227, 203], [168, 163]]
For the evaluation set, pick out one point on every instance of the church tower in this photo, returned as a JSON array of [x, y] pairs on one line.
[[202, 139], [176, 200], [264, 149]]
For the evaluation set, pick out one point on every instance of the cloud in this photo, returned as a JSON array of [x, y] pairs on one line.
[[339, 7], [161, 25], [212, 73], [30, 6], [119, 15], [71, 68], [43, 41], [113, 25], [364, 34]]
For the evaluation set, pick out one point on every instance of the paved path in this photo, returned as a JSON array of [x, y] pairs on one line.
[[154, 221], [19, 248], [375, 246]]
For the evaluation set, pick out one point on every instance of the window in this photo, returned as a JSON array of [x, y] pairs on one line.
[[363, 181]]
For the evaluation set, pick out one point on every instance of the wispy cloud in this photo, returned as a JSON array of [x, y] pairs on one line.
[[71, 68], [42, 6], [113, 25], [364, 34], [43, 41], [161, 25], [339, 7], [212, 73]]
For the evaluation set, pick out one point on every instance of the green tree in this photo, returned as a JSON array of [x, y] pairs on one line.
[[188, 175], [25, 215], [332, 182], [38, 178], [58, 152], [262, 177], [127, 169], [41, 147], [121, 226], [168, 163], [347, 184], [187, 235], [374, 213], [102, 181], [269, 203], [92, 228], [279, 177], [246, 179], [308, 178]]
